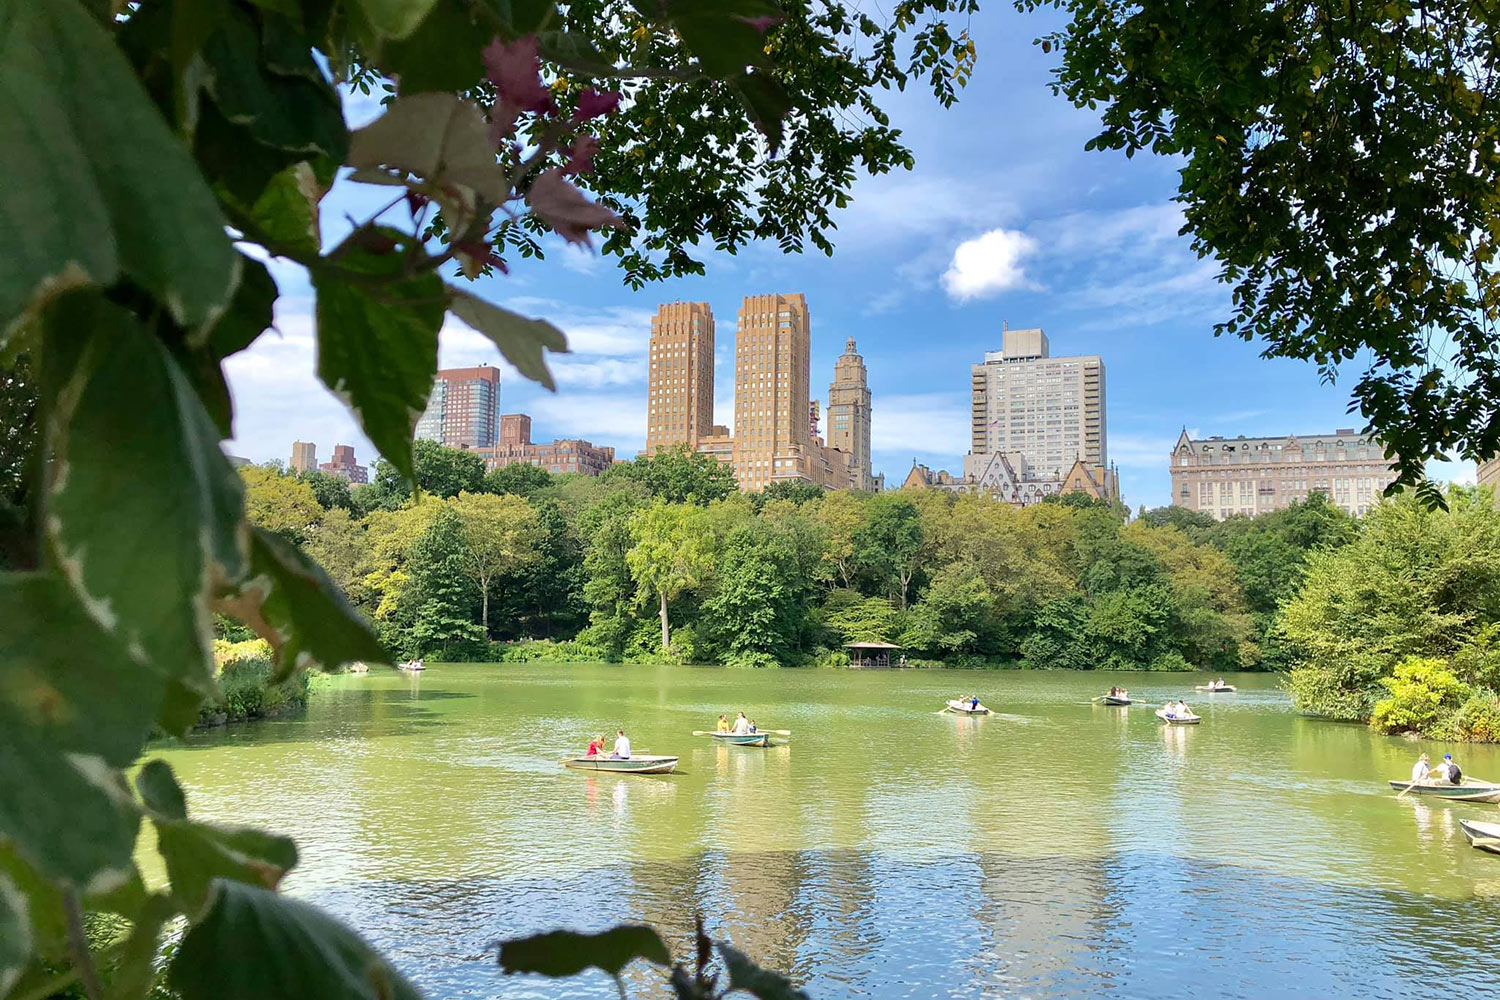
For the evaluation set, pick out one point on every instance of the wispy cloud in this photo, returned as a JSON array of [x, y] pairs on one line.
[[927, 423]]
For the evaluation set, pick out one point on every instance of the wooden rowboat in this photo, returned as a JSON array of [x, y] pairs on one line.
[[1114, 699], [743, 739], [644, 764], [962, 708], [1223, 689], [1178, 720], [1469, 791], [1488, 835]]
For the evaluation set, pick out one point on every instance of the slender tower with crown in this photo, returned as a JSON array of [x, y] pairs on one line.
[[849, 413]]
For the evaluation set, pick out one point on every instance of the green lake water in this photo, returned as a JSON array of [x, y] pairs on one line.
[[1055, 849]]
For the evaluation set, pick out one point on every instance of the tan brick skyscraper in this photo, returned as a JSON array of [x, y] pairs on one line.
[[680, 400], [772, 436]]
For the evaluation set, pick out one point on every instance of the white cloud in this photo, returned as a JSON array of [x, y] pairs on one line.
[[989, 264], [925, 423]]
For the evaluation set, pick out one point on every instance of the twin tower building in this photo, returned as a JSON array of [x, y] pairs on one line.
[[776, 436]]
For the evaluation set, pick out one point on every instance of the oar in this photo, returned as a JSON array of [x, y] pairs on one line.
[[1407, 789], [1485, 842]]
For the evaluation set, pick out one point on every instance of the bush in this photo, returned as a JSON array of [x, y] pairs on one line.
[[748, 658], [825, 657], [1478, 721], [246, 692], [1424, 694], [566, 651], [1172, 662]]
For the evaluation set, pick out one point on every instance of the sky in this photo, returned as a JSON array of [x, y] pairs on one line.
[[1005, 219]]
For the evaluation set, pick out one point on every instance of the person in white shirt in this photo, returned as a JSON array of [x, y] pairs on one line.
[[1420, 770], [741, 725], [622, 746], [1182, 710]]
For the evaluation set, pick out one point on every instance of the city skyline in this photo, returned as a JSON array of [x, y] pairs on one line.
[[929, 264]]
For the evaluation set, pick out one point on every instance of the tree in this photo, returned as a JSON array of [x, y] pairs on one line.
[[443, 472], [279, 503], [331, 491], [678, 475], [841, 514], [1331, 167], [889, 545], [861, 619], [794, 490], [955, 615], [338, 544], [442, 592], [520, 478], [672, 553], [758, 606], [499, 535]]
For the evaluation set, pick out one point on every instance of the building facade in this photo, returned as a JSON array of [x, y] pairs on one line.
[[1008, 478], [563, 455], [1051, 410], [304, 456], [1489, 474], [680, 407], [849, 415], [772, 392], [344, 466], [463, 410], [1228, 476]]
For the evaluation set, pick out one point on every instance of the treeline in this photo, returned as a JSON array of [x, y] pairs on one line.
[[663, 558]]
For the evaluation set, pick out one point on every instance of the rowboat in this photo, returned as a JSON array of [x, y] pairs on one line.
[[743, 739], [644, 764], [412, 665], [1488, 835], [1221, 689], [1469, 791], [1178, 720], [1114, 699], [962, 708]]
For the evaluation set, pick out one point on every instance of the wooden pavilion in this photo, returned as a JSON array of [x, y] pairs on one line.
[[870, 654]]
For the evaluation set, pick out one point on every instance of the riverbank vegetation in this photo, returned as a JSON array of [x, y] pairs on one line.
[[662, 558], [248, 687]]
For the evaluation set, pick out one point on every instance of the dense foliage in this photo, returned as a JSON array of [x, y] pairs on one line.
[[663, 559], [1400, 626], [154, 156], [1339, 162]]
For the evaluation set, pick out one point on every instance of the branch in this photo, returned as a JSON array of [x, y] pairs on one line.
[[78, 946]]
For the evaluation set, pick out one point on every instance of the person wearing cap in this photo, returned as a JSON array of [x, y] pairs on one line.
[[1448, 770], [1420, 770]]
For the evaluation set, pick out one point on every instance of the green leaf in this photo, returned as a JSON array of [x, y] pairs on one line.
[[393, 18], [129, 435], [282, 948], [520, 339], [767, 102], [306, 618], [567, 953], [96, 186], [287, 210], [377, 347], [46, 923], [440, 138], [240, 166], [745, 975], [15, 934], [524, 17], [159, 790], [250, 313], [445, 53], [134, 968], [290, 112], [717, 33], [179, 708]]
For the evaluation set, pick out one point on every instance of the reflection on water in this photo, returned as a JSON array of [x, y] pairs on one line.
[[1055, 849]]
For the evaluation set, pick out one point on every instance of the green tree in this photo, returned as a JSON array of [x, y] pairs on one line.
[[339, 545], [279, 503], [1421, 694], [520, 478], [956, 615], [889, 546], [331, 491], [1416, 582], [757, 609], [1330, 167], [678, 475], [672, 553], [547, 594], [443, 594], [499, 535], [841, 515], [861, 619]]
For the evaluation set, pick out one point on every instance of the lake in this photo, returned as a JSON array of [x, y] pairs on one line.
[[1055, 849]]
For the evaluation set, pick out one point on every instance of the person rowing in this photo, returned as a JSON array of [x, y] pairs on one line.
[[1420, 770], [1448, 771], [622, 746], [741, 724]]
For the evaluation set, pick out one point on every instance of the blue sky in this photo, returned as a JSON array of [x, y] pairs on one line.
[[1005, 219]]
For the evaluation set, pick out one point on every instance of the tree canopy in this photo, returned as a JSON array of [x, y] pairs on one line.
[[1340, 165]]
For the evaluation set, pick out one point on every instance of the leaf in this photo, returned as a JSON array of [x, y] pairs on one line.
[[442, 54], [240, 166], [129, 435], [379, 354], [437, 137], [250, 313], [134, 968], [287, 211], [524, 17], [96, 186], [745, 975], [567, 953], [720, 34], [15, 934], [521, 339], [307, 620], [282, 948], [393, 18], [284, 111], [197, 853], [159, 790], [767, 102]]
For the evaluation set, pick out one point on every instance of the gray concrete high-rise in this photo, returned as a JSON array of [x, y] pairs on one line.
[[1051, 410]]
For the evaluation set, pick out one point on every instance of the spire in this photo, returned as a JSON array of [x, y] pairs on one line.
[[849, 346]]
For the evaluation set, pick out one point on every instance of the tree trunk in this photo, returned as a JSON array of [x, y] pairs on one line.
[[484, 605], [666, 632]]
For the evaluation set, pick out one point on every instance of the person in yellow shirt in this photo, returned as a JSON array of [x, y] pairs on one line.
[[723, 724]]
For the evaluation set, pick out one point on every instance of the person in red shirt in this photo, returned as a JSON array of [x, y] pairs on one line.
[[596, 747]]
